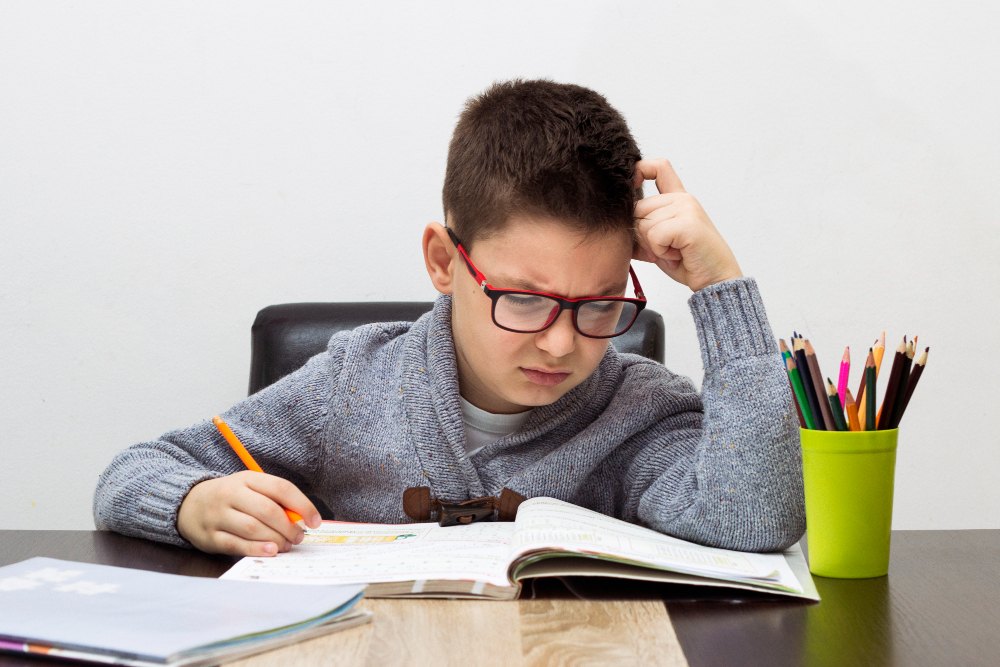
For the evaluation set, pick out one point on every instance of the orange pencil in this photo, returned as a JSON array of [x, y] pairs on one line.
[[853, 420], [244, 455]]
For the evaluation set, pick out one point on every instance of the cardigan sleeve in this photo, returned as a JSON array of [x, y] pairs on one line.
[[729, 474], [141, 490]]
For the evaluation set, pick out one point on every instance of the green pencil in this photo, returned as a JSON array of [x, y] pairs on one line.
[[833, 397], [785, 352], [870, 394], [800, 392]]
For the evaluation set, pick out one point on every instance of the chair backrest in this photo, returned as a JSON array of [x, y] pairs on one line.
[[285, 336]]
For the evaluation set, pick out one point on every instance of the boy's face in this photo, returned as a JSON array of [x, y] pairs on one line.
[[505, 372]]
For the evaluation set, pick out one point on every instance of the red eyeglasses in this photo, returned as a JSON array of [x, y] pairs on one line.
[[523, 311]]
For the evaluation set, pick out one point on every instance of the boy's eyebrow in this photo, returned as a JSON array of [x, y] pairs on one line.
[[522, 284]]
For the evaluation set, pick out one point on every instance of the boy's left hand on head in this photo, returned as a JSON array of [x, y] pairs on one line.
[[674, 232]]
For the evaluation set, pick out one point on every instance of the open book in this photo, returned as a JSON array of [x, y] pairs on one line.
[[549, 538], [121, 616]]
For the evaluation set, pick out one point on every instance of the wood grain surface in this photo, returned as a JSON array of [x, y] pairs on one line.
[[940, 605], [468, 632]]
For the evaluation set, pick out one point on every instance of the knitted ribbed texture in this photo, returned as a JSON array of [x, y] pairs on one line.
[[379, 412]]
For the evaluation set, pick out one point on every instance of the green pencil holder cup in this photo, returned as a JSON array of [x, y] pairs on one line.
[[848, 478]]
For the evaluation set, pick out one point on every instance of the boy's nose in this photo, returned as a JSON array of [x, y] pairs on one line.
[[560, 338]]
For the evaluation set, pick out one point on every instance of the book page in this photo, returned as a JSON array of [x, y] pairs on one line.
[[341, 552], [544, 523]]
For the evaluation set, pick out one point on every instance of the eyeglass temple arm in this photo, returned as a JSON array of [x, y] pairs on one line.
[[635, 284], [480, 278]]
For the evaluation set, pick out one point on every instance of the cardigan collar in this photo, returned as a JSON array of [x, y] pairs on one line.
[[430, 395]]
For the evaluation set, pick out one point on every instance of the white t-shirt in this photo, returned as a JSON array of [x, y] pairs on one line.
[[482, 428]]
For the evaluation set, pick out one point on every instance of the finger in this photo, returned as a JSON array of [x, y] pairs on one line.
[[659, 229], [234, 545], [255, 515], [645, 206], [643, 251], [641, 254], [259, 519], [288, 496], [666, 238], [662, 172], [640, 250]]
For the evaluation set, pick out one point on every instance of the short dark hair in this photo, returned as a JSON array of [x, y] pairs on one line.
[[539, 148]]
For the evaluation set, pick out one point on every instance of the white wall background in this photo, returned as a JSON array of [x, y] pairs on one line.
[[168, 169]]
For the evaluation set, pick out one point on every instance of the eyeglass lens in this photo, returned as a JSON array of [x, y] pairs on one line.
[[530, 312]]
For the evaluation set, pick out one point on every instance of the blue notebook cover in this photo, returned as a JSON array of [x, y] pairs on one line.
[[125, 616]]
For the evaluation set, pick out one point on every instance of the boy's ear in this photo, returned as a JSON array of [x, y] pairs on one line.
[[439, 253]]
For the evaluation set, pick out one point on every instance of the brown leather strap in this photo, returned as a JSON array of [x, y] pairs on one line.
[[509, 502], [419, 505]]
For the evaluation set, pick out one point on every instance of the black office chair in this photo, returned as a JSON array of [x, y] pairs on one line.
[[285, 336]]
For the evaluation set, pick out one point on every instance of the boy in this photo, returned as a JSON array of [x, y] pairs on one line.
[[510, 382]]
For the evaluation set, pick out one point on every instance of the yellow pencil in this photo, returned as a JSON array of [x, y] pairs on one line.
[[879, 351], [244, 455]]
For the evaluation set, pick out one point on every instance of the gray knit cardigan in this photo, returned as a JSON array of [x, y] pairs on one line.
[[379, 412]]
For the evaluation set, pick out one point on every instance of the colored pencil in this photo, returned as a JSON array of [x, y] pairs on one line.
[[885, 413], [807, 384], [248, 461], [918, 370], [801, 402], [904, 380], [862, 403], [870, 393], [845, 371], [817, 378], [785, 356], [853, 423], [785, 352], [861, 388], [834, 400], [878, 349]]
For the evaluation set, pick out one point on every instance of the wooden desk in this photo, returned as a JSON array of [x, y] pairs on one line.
[[939, 605]]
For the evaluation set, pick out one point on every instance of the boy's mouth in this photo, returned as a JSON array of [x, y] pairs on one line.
[[544, 378]]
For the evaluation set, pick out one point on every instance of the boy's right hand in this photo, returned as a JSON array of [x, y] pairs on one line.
[[243, 514]]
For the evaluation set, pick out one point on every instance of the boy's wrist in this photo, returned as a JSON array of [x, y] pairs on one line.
[[718, 280]]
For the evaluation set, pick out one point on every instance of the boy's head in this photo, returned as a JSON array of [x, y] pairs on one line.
[[539, 148], [539, 191]]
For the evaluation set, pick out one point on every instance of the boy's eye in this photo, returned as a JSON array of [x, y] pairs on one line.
[[525, 301], [603, 306]]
